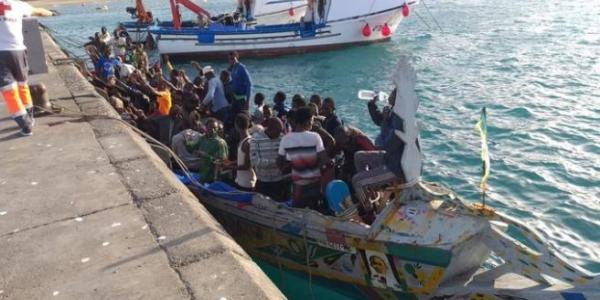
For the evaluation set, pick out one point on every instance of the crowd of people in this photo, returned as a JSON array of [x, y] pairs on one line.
[[286, 149]]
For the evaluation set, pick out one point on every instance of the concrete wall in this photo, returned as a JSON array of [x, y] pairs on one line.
[[208, 261]]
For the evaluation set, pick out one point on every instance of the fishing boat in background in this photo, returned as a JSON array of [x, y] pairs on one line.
[[424, 243], [265, 12], [324, 25], [138, 30]]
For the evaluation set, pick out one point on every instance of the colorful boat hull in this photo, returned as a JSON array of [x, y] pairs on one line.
[[283, 237]]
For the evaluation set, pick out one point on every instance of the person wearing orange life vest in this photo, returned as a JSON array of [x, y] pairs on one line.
[[13, 61]]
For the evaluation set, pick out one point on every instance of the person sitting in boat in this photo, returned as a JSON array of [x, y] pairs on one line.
[[327, 171], [259, 103], [215, 95], [316, 99], [202, 21], [349, 141], [245, 178], [267, 114], [303, 152], [162, 93], [332, 121], [105, 36], [241, 82], [106, 64], [212, 149], [382, 118], [147, 19], [264, 147], [280, 107], [140, 58]]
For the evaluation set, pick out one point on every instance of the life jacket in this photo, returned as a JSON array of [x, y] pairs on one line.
[[263, 157]]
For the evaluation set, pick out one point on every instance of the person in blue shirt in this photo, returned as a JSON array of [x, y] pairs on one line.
[[241, 83], [105, 66]]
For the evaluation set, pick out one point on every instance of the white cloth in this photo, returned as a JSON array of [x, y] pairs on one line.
[[11, 24], [244, 178], [126, 70], [119, 45], [301, 149], [178, 144], [263, 157], [106, 39]]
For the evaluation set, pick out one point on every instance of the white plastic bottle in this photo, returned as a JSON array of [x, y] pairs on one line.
[[369, 95]]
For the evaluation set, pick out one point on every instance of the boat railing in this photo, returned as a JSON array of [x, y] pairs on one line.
[[524, 252], [220, 29]]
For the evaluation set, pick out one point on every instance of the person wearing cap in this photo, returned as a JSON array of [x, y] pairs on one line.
[[215, 96], [13, 61]]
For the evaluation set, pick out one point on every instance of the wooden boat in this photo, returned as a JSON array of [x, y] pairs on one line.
[[425, 243], [325, 25]]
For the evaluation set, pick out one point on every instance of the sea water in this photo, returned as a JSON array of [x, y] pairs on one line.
[[534, 64]]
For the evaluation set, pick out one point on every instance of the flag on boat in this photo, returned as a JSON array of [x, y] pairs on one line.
[[485, 156]]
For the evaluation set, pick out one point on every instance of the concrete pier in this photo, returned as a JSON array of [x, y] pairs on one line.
[[89, 211]]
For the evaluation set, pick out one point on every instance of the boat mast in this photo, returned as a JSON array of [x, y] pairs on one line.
[[189, 5]]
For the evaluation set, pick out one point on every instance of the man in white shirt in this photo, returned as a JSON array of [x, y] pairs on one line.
[[13, 61], [303, 152]]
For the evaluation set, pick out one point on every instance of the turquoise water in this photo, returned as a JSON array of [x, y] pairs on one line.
[[535, 65]]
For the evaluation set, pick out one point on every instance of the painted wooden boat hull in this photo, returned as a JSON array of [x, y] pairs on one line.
[[301, 240], [431, 247]]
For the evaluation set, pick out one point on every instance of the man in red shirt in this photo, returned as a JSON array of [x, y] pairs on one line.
[[352, 142], [13, 61]]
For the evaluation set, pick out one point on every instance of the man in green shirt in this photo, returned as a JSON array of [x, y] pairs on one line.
[[212, 150]]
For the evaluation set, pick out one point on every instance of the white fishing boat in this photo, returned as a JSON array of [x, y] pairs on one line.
[[321, 25], [265, 13]]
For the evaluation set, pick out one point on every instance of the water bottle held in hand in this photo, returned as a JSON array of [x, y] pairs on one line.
[[370, 95]]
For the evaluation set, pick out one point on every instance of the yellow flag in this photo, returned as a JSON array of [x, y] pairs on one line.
[[485, 156]]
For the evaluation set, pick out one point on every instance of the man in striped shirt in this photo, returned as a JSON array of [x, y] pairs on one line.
[[303, 151]]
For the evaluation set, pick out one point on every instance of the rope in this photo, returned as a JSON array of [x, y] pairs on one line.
[[434, 19], [422, 20], [279, 266], [310, 287]]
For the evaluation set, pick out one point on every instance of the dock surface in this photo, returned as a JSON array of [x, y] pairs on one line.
[[89, 211]]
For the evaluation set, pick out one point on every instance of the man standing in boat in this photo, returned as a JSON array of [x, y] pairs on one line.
[[246, 8], [303, 152], [241, 83], [13, 61], [399, 164]]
